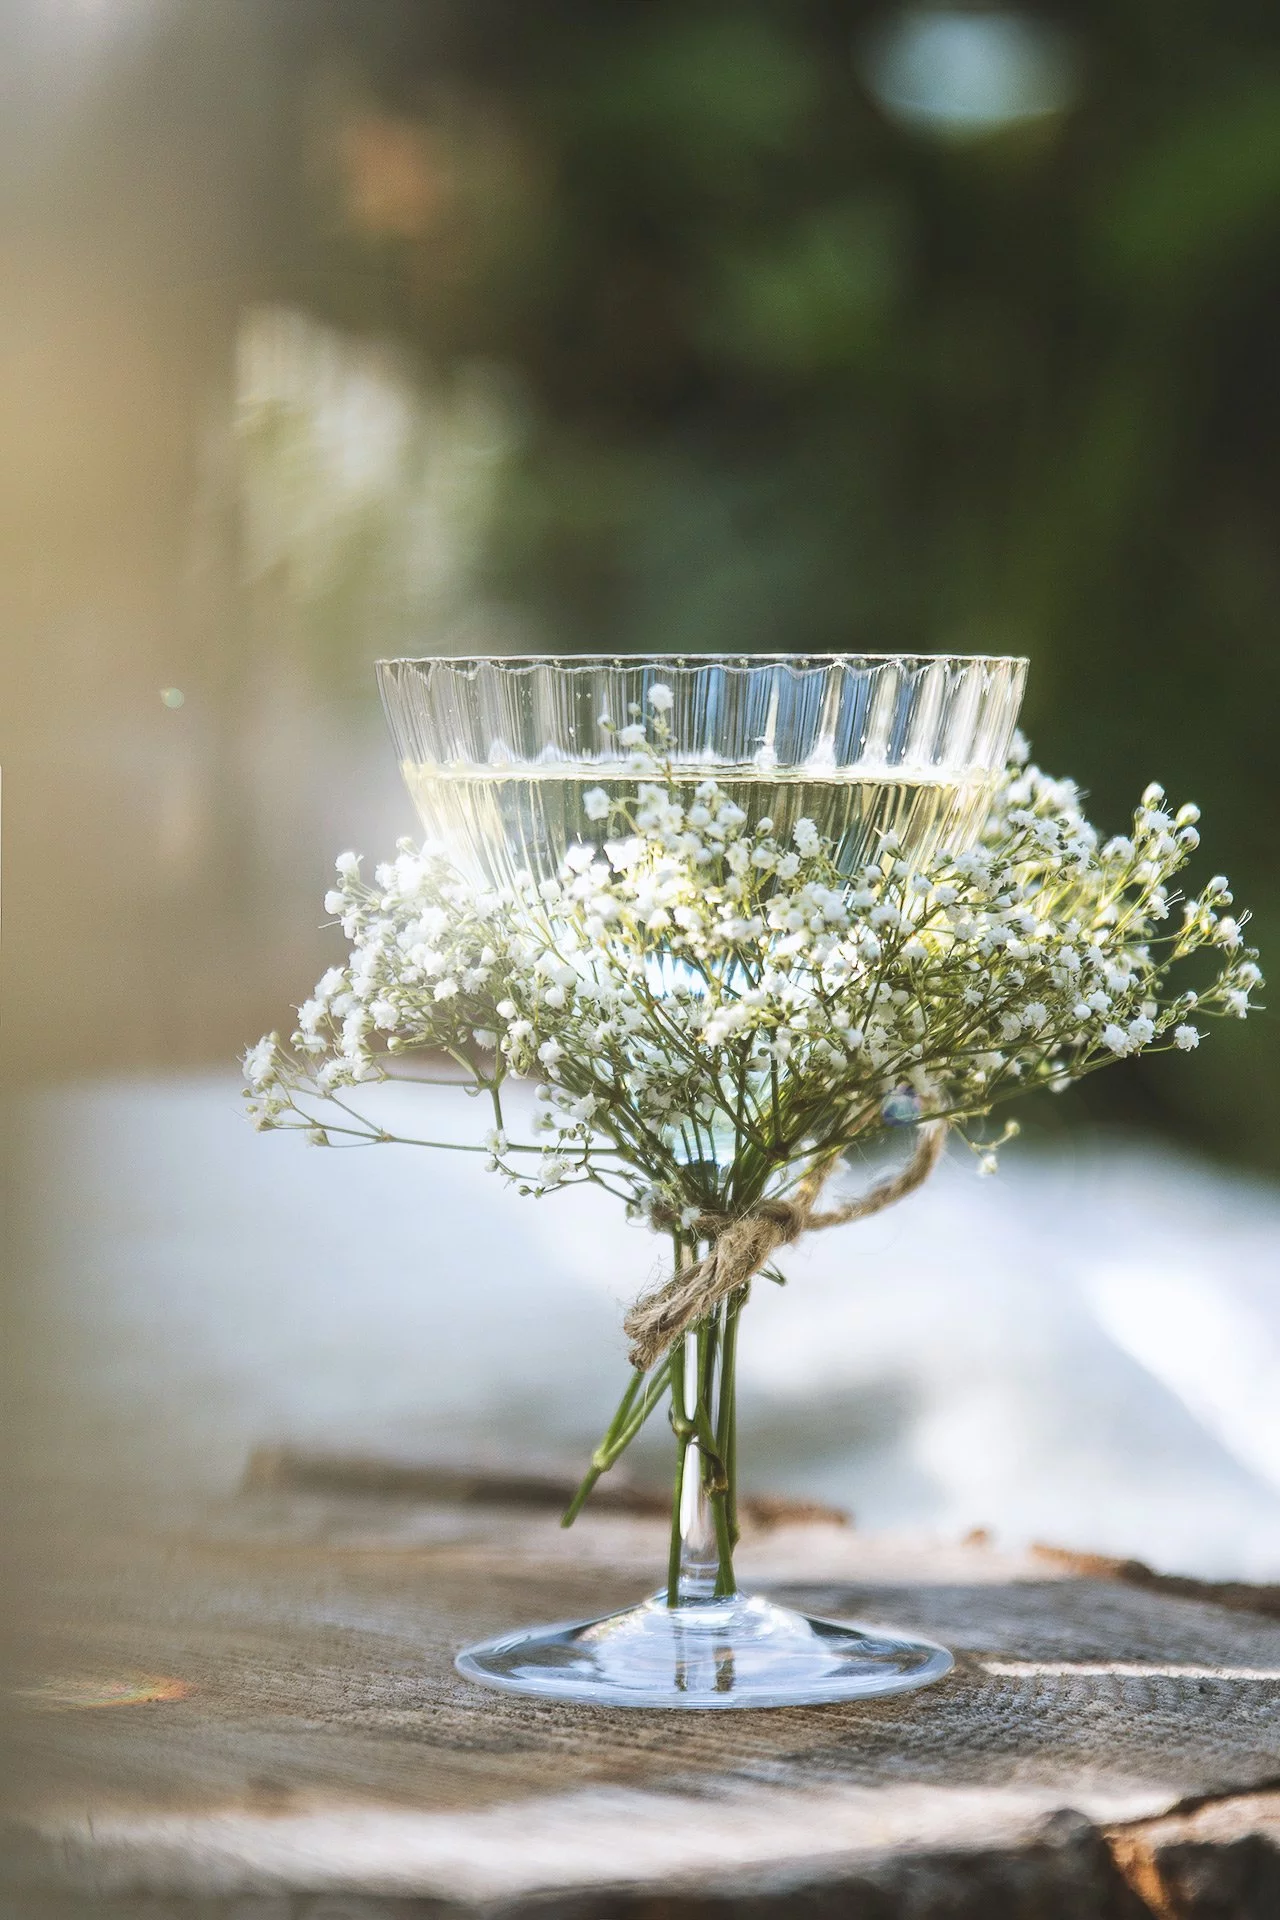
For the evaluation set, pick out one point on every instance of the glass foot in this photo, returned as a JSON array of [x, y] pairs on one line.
[[709, 1653]]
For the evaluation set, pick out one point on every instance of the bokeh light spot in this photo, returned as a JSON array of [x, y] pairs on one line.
[[66, 1692], [958, 74]]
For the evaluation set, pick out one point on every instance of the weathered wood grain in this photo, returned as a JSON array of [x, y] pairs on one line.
[[327, 1751], [303, 1470], [1220, 1861]]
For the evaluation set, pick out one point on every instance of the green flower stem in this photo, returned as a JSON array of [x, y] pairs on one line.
[[624, 1408], [727, 1411], [707, 1335], [652, 1395], [600, 1459], [726, 1583], [622, 1430]]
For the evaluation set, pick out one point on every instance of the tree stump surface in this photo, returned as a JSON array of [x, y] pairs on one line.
[[250, 1708]]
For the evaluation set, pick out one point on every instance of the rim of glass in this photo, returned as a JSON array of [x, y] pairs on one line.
[[572, 661]]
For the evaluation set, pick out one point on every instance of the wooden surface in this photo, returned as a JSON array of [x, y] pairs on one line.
[[1103, 1748]]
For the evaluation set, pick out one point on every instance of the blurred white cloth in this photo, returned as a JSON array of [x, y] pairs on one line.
[[1084, 1349]]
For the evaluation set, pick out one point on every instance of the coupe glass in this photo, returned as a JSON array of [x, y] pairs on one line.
[[498, 754]]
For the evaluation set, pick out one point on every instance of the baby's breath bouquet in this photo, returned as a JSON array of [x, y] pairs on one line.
[[718, 1013]]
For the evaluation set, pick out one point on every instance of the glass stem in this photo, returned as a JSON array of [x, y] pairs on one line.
[[703, 1528]]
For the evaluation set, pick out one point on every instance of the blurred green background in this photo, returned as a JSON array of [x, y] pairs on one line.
[[346, 327]]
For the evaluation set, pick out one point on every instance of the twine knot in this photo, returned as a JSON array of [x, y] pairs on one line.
[[741, 1244]]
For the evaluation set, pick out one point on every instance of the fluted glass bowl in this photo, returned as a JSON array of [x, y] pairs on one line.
[[498, 753]]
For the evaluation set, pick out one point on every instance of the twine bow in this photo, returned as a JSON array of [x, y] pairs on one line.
[[741, 1244]]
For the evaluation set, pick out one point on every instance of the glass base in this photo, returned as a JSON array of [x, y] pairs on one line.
[[734, 1652]]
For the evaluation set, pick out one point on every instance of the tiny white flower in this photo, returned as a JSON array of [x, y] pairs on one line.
[[632, 736], [1116, 1039], [445, 989], [595, 803], [1186, 1038], [260, 1061], [1141, 1031], [661, 698]]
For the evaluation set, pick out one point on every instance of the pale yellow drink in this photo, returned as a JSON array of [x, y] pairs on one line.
[[496, 823]]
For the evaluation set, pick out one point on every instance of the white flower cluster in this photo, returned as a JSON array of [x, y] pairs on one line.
[[710, 1011]]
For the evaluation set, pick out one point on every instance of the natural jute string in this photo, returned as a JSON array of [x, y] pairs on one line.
[[742, 1244]]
